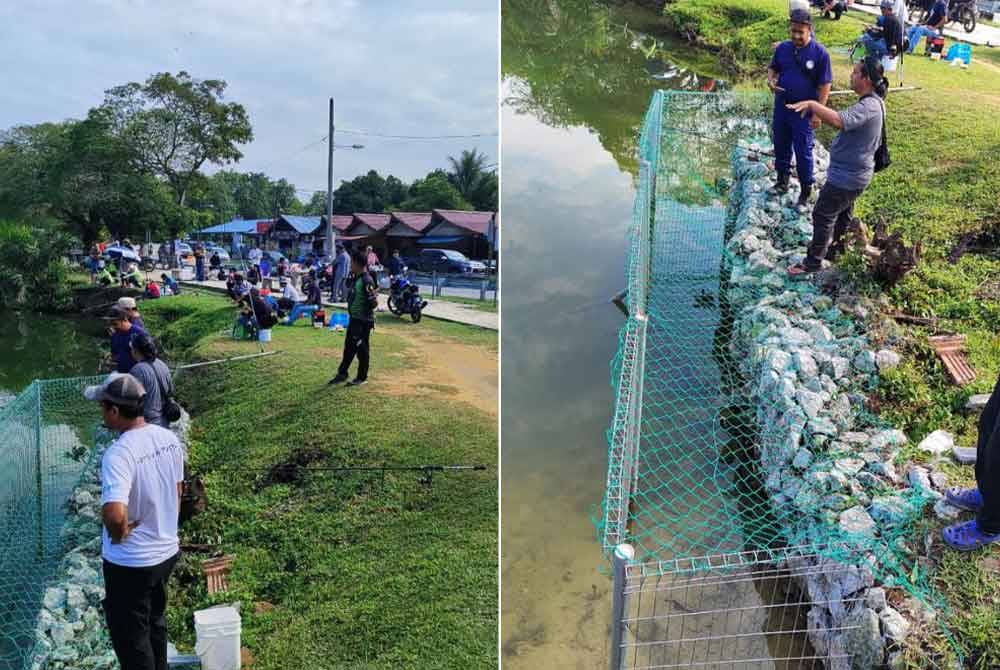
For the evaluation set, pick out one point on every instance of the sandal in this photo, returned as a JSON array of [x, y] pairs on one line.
[[967, 499], [967, 536]]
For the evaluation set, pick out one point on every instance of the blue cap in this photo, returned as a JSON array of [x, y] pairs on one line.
[[801, 16]]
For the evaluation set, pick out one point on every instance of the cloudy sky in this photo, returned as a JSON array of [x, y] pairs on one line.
[[394, 68]]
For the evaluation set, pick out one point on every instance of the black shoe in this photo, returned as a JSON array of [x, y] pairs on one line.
[[357, 382], [781, 186], [804, 196], [341, 377]]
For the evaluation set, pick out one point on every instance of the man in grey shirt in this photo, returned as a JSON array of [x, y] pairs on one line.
[[154, 375], [852, 159]]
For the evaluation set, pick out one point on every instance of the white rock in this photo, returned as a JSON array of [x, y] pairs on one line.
[[805, 364], [83, 498], [945, 511], [964, 455], [919, 479], [810, 402], [938, 442], [888, 438], [850, 466], [894, 624], [864, 361], [939, 480], [803, 457], [977, 402], [854, 437], [887, 360], [61, 633], [75, 597], [54, 599], [839, 367], [857, 521], [875, 599]]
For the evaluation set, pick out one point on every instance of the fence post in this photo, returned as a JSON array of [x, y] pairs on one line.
[[39, 504], [482, 290], [622, 555], [434, 283]]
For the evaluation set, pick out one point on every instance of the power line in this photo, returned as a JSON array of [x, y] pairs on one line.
[[416, 137]]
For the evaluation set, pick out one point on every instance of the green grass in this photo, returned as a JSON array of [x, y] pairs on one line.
[[742, 31], [356, 570]]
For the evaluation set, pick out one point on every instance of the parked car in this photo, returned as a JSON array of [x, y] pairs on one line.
[[216, 249], [444, 260]]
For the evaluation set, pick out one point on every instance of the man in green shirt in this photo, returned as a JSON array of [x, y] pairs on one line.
[[362, 299]]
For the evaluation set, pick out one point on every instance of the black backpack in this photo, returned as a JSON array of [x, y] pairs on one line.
[[882, 158]]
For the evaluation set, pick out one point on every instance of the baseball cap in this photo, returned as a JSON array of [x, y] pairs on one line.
[[801, 16], [126, 302], [886, 4], [118, 388]]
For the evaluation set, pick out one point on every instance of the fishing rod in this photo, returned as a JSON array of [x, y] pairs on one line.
[[293, 469]]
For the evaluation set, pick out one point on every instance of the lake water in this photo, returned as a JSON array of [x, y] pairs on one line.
[[42, 346], [576, 86]]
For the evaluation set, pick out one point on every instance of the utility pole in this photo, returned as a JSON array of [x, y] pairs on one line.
[[329, 192]]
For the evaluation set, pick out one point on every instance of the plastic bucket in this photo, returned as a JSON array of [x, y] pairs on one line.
[[217, 638], [264, 335]]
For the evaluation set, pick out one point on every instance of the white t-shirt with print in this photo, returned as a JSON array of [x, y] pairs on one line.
[[142, 469]]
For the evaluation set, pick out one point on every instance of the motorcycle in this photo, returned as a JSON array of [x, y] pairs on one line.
[[404, 298], [964, 12]]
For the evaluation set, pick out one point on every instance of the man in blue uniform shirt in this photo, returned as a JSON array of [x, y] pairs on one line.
[[800, 70]]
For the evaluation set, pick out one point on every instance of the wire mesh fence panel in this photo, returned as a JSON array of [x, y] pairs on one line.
[[718, 391], [747, 615], [45, 437]]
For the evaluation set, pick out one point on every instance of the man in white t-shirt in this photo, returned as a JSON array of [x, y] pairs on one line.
[[141, 476]]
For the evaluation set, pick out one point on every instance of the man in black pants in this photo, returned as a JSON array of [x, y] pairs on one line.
[[141, 478], [362, 299], [985, 498]]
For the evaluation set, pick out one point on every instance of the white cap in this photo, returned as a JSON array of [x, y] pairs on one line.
[[126, 302], [119, 388]]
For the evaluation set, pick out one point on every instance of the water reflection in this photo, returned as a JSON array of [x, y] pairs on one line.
[[575, 91], [43, 346]]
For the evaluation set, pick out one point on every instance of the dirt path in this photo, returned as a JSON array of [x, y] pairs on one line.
[[451, 370]]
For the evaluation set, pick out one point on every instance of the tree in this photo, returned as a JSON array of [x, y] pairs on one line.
[[469, 176], [175, 124], [434, 192], [368, 193]]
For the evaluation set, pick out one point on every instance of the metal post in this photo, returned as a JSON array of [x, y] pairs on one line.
[[434, 283], [39, 504], [328, 245], [622, 555], [482, 290], [491, 241]]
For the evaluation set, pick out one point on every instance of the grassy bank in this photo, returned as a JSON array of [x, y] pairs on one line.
[[941, 188], [337, 570], [742, 31]]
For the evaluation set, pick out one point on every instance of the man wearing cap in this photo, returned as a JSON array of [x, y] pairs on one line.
[[129, 305], [888, 33], [141, 477], [122, 331], [799, 70]]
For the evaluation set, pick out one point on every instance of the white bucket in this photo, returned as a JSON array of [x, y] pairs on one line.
[[264, 335], [217, 638]]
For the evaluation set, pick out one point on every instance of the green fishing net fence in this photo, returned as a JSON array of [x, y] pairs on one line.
[[47, 434], [739, 422]]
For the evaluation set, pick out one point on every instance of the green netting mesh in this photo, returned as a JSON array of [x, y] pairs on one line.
[[46, 434], [739, 423]]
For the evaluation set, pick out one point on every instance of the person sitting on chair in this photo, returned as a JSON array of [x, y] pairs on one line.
[[932, 28], [885, 38]]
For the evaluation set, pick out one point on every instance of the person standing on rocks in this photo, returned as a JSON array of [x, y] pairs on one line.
[[799, 72], [154, 375], [852, 159], [141, 478], [985, 498], [362, 299]]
